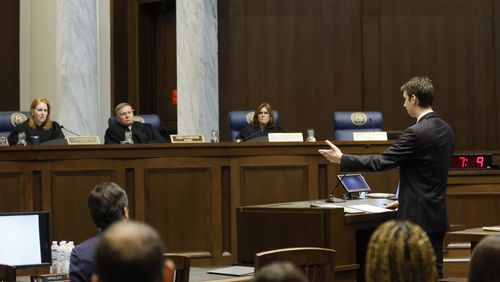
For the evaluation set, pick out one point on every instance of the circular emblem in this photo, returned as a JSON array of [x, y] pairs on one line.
[[139, 119], [250, 117], [358, 118], [17, 118]]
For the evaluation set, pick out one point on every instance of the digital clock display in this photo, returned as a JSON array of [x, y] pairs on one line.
[[471, 161]]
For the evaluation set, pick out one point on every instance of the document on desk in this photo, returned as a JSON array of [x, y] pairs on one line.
[[491, 228], [370, 208], [333, 205], [235, 270]]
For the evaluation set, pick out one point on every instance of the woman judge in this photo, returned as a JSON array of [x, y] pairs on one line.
[[38, 128], [262, 124]]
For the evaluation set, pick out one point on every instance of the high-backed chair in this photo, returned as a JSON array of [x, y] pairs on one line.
[[182, 266], [317, 263], [240, 119], [345, 123], [152, 119], [9, 120], [7, 273]]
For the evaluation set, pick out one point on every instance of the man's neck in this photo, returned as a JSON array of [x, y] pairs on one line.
[[422, 112]]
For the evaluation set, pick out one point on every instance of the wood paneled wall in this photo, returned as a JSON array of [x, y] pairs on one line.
[[311, 58], [9, 55]]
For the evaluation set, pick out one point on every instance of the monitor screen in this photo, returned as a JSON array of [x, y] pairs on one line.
[[25, 239], [354, 183]]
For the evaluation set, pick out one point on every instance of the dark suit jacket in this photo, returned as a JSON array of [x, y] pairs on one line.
[[141, 133], [423, 154], [82, 261]]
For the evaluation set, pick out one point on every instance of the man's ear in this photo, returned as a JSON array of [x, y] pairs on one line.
[[95, 277], [125, 213], [168, 271]]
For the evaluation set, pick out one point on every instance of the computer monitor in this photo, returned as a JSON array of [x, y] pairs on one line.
[[25, 239], [354, 183]]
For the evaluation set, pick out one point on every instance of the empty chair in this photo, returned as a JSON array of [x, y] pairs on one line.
[[345, 123], [9, 120], [182, 266], [317, 263], [240, 119]]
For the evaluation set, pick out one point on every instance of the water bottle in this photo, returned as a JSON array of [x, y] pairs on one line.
[[214, 136], [54, 248], [128, 138], [69, 248], [21, 139], [310, 135], [60, 257]]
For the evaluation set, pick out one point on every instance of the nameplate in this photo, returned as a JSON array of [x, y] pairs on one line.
[[286, 137], [83, 140], [369, 136], [187, 138], [4, 141], [50, 277]]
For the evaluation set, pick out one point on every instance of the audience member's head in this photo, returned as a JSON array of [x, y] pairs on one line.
[[107, 203], [484, 261], [400, 251], [129, 252], [280, 272]]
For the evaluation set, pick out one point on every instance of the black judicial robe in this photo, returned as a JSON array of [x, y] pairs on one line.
[[141, 133], [44, 135]]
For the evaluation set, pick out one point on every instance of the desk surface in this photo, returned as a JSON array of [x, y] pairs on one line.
[[472, 234]]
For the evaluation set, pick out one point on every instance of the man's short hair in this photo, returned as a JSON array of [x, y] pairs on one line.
[[120, 106], [421, 87], [106, 204], [280, 272], [130, 251]]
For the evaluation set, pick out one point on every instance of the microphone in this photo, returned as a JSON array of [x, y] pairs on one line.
[[371, 124], [74, 133], [330, 198], [257, 133]]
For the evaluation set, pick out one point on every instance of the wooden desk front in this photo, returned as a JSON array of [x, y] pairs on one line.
[[297, 224], [189, 192]]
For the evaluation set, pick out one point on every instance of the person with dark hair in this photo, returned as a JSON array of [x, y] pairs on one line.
[[141, 132], [107, 203], [280, 272], [38, 124], [423, 154], [130, 252], [262, 123], [484, 261], [400, 251]]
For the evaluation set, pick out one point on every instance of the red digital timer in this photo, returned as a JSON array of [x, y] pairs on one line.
[[471, 161]]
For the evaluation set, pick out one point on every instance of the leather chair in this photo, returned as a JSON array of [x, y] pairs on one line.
[[241, 119], [182, 266], [152, 119], [345, 123], [9, 120], [317, 263]]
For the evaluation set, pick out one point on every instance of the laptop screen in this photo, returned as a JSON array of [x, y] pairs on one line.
[[354, 182]]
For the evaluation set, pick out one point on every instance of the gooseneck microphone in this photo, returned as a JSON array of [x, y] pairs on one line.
[[371, 124], [74, 133], [257, 133], [330, 198]]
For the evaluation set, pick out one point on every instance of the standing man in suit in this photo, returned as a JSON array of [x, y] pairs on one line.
[[423, 154], [141, 132], [108, 203]]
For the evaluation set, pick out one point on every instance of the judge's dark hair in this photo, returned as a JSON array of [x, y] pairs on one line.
[[280, 272], [266, 105], [421, 87], [129, 252], [484, 261], [106, 204]]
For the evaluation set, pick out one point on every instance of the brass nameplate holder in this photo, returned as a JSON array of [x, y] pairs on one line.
[[83, 140], [187, 138], [4, 141]]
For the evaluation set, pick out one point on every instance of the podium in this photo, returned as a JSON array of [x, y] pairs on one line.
[[297, 224]]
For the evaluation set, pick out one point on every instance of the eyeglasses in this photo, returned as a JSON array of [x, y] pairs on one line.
[[263, 113]]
